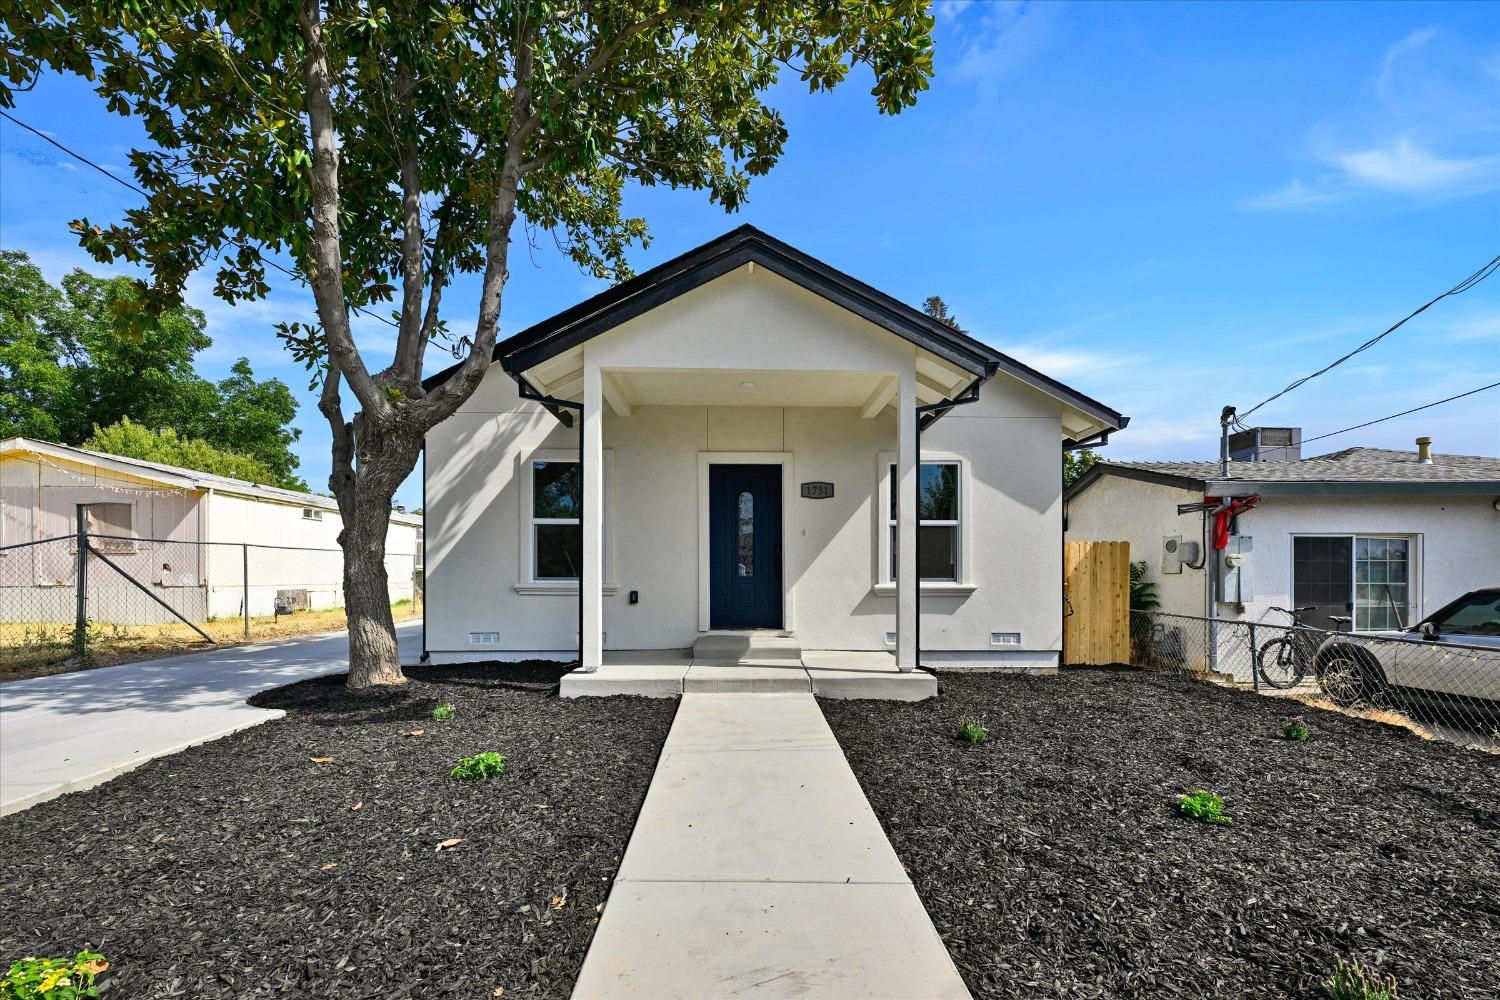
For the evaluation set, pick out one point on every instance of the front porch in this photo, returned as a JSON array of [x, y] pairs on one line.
[[754, 663]]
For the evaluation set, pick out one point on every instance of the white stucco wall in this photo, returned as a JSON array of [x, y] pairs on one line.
[[1455, 545], [1009, 440], [1116, 509]]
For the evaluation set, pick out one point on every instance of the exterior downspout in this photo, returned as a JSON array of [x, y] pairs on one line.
[[555, 406], [926, 416]]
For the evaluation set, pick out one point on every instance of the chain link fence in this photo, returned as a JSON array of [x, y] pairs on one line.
[[89, 599], [1439, 689]]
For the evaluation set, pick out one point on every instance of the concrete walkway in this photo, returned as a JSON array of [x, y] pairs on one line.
[[68, 732], [757, 869]]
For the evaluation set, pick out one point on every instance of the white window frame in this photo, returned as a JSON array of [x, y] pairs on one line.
[[1414, 602], [962, 583], [527, 582]]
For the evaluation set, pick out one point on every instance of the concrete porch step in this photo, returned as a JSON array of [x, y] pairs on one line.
[[725, 648]]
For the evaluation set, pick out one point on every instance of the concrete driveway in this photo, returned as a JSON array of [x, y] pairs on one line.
[[71, 731]]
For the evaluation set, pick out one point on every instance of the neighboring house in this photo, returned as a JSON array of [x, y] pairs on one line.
[[176, 530], [749, 417], [1378, 536]]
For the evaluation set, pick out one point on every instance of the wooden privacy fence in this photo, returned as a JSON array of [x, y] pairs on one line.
[[1096, 591]]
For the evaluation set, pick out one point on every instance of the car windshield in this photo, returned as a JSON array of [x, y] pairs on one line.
[[1473, 614]]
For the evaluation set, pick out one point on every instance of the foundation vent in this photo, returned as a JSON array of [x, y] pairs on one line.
[[484, 638], [1005, 638]]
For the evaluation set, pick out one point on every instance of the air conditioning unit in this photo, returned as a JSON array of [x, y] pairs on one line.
[[1175, 553]]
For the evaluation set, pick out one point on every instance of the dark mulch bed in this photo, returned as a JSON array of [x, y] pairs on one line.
[[202, 874], [1054, 864]]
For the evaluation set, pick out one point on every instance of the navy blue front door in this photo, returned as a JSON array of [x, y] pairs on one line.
[[744, 546]]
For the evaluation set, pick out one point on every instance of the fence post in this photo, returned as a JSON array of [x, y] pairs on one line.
[[1254, 661], [81, 580], [245, 582]]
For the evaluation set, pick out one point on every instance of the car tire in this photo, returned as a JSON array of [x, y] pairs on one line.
[[1349, 676]]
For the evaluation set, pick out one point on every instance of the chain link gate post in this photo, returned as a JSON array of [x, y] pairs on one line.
[[1254, 660], [245, 582], [81, 581]]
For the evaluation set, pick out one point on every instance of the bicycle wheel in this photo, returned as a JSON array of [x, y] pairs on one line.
[[1278, 663]]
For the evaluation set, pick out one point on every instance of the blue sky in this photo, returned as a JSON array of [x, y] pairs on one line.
[[1169, 207]]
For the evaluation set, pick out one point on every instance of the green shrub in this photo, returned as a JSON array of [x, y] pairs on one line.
[[443, 712], [1352, 979], [972, 730], [1205, 807], [1295, 729], [479, 766], [53, 978]]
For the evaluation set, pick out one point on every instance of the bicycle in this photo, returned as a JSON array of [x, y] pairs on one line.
[[1286, 660]]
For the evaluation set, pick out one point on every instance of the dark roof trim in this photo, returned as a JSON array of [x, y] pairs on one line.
[[1387, 488], [646, 291], [1099, 469], [1286, 488]]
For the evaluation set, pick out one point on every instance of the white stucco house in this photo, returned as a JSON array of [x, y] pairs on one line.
[[189, 536], [1378, 536], [729, 444]]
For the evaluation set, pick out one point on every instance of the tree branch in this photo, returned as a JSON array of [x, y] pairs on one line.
[[409, 341], [327, 251]]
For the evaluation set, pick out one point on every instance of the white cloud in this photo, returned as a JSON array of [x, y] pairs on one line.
[[1403, 166], [1427, 128], [1004, 38]]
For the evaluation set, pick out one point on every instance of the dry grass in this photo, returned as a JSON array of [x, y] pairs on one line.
[[39, 649]]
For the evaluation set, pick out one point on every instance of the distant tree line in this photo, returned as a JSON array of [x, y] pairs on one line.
[[74, 370]]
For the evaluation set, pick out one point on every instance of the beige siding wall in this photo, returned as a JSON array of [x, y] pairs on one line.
[[1115, 509]]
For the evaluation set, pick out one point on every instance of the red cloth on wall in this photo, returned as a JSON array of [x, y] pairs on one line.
[[1234, 508]]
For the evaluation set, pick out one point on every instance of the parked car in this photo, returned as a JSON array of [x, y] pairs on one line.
[[1452, 655]]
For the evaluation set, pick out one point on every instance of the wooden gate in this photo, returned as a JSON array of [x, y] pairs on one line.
[[1096, 602]]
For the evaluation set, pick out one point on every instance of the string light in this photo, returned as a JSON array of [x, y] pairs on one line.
[[42, 462]]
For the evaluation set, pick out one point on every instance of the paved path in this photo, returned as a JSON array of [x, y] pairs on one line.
[[71, 731], [757, 869]]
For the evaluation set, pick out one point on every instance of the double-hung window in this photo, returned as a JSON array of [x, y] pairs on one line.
[[557, 537], [939, 510], [1364, 577]]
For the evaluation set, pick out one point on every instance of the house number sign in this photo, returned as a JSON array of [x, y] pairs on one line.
[[817, 491]]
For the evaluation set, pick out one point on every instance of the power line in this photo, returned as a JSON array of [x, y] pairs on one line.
[[123, 182], [1458, 289], [1403, 413]]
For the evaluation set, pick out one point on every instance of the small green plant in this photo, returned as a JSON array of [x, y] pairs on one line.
[[1295, 729], [1353, 979], [479, 766], [53, 978], [1205, 807], [443, 712], [972, 730]]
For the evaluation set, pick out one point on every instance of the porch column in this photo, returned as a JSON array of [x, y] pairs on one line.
[[906, 521], [592, 456]]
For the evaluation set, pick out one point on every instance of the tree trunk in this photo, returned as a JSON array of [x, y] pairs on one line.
[[387, 456]]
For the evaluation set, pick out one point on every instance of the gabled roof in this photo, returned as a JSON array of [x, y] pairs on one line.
[[1350, 472], [177, 476], [746, 245]]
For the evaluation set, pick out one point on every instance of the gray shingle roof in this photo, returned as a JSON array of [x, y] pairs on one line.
[[1352, 465]]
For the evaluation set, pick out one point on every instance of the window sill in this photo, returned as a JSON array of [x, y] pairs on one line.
[[932, 589], [557, 588]]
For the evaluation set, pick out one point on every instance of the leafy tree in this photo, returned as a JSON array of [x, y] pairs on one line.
[[935, 307], [65, 369], [386, 149], [1076, 463], [131, 440]]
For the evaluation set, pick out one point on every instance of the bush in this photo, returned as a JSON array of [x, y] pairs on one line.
[[1295, 729], [1355, 980], [973, 731], [1205, 807], [443, 712], [53, 978], [478, 767]]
